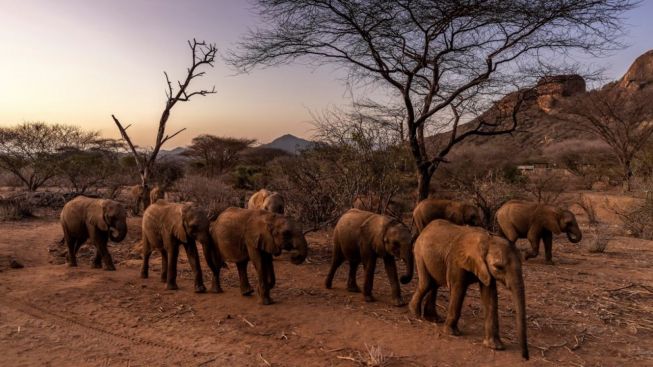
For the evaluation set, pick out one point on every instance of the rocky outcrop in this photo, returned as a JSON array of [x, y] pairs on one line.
[[551, 90], [640, 73]]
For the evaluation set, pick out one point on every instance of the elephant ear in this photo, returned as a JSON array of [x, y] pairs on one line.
[[373, 231], [473, 250], [259, 234], [454, 213], [179, 227], [97, 215], [551, 221]]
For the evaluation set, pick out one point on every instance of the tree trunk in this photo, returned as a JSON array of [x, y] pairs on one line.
[[627, 175], [424, 175]]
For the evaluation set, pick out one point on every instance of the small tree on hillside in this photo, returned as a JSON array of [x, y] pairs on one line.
[[439, 59], [31, 151], [217, 155], [203, 54], [622, 119]]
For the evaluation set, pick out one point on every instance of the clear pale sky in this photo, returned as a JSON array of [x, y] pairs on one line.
[[79, 61]]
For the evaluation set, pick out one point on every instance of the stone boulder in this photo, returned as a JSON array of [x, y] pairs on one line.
[[640, 73]]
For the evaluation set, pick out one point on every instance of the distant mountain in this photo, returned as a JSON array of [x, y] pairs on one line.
[[289, 143], [174, 155]]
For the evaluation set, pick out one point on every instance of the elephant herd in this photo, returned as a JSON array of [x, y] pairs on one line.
[[448, 249]]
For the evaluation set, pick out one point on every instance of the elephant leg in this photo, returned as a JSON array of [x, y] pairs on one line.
[[173, 252], [534, 239], [456, 298], [71, 242], [145, 267], [337, 260], [391, 270], [164, 264], [245, 287], [370, 267], [547, 238], [351, 279], [215, 262], [99, 239], [194, 261], [260, 261], [423, 285], [271, 278], [97, 260], [490, 307], [430, 311]]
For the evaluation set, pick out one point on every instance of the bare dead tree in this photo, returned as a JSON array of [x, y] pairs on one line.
[[437, 58], [620, 118], [203, 54]]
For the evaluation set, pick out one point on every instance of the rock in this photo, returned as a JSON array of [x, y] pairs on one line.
[[14, 264], [640, 73], [550, 90]]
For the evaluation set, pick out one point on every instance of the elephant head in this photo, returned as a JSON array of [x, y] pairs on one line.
[[113, 220], [274, 203], [472, 215], [564, 221], [389, 236], [492, 258], [193, 224], [273, 233]]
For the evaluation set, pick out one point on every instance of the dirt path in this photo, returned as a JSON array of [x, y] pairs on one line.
[[589, 309]]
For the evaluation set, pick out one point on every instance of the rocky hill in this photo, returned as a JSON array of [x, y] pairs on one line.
[[541, 134], [289, 143]]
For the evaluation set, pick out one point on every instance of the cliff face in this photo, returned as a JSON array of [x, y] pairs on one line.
[[551, 90], [640, 73]]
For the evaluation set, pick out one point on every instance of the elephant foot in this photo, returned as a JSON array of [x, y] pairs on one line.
[[369, 298], [265, 301], [353, 288], [530, 255], [215, 288], [164, 278], [494, 343], [110, 268], [144, 275], [451, 330], [433, 317], [72, 264], [246, 291], [200, 288], [172, 286], [549, 262], [399, 302], [413, 308], [328, 284], [96, 266]]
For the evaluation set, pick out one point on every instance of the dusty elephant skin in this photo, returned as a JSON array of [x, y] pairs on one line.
[[156, 193], [242, 235], [523, 219], [168, 225], [457, 256], [96, 219], [139, 198], [454, 211], [361, 236], [267, 200]]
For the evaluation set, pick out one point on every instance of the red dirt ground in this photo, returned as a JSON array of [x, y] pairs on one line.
[[587, 310]]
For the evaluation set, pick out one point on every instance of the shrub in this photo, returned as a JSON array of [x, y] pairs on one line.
[[15, 209], [598, 241], [639, 222], [212, 194]]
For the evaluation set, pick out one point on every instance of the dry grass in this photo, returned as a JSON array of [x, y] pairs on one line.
[[373, 356], [15, 209]]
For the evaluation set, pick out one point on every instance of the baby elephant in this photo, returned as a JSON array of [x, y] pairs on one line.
[[83, 218], [457, 256], [363, 236], [267, 200], [454, 211], [522, 219], [252, 234], [168, 225]]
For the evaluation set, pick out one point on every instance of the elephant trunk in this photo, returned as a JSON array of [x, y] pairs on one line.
[[409, 260], [516, 285], [300, 250], [574, 235], [121, 228]]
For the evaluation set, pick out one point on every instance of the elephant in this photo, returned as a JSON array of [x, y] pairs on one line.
[[242, 235], [156, 193], [456, 256], [267, 200], [535, 221], [362, 236], [138, 199], [83, 218], [454, 211], [166, 226]]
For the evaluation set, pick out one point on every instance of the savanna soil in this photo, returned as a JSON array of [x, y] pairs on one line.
[[587, 310]]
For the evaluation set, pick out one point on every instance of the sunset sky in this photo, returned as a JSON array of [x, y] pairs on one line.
[[79, 61]]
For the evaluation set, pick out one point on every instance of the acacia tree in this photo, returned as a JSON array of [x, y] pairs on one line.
[[203, 54], [439, 59], [31, 151], [620, 118], [217, 154]]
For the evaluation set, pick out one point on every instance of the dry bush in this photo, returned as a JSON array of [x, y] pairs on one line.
[[15, 209], [639, 221], [546, 187], [598, 241], [372, 357], [587, 205], [212, 194]]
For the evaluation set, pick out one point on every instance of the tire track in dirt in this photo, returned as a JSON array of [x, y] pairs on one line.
[[116, 339]]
